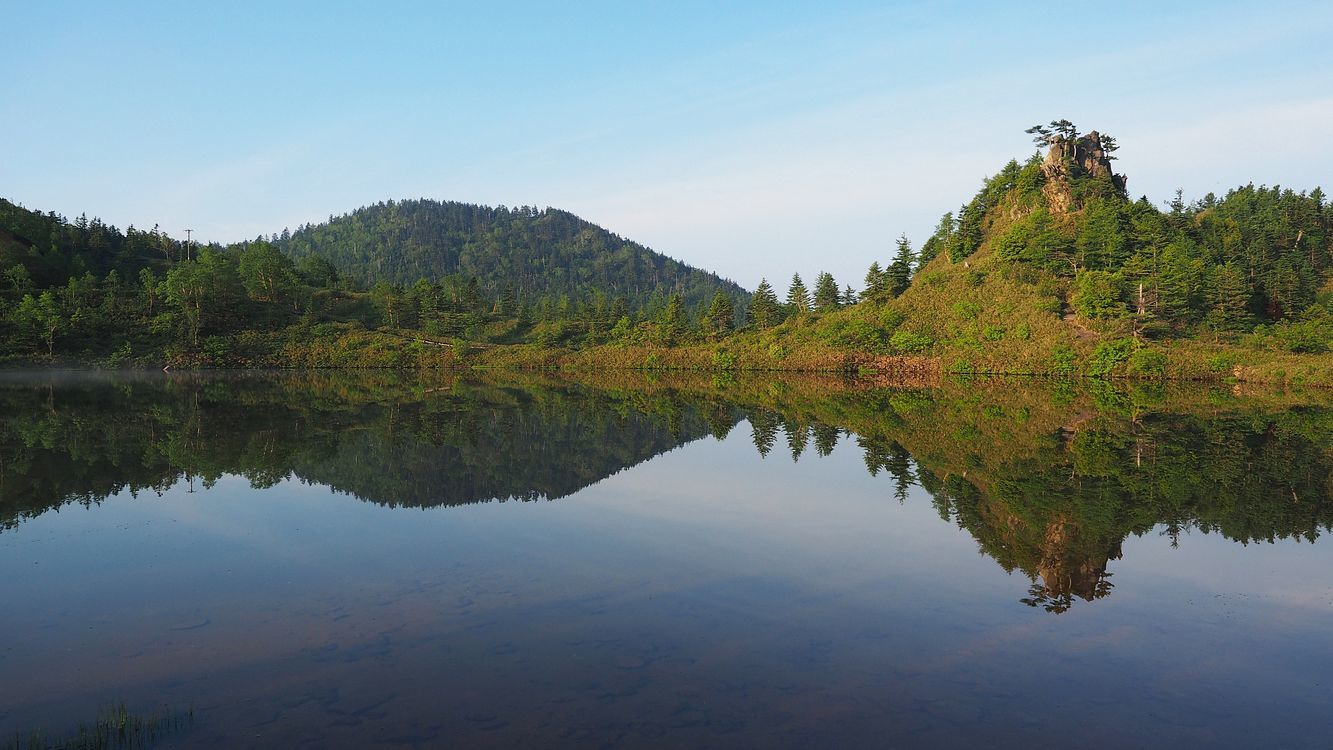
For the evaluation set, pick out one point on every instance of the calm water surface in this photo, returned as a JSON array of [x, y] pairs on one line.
[[322, 561]]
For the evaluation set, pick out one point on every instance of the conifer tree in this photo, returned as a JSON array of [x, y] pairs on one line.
[[1229, 299], [798, 298], [721, 315], [674, 317], [765, 309], [899, 275], [876, 284], [938, 241], [826, 292]]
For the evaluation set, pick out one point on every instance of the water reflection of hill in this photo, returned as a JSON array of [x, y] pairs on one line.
[[495, 444], [82, 439], [1049, 478]]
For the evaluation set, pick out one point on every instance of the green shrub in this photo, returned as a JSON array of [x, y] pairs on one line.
[[1313, 336], [1108, 355], [966, 309], [724, 360], [890, 318], [1014, 242], [909, 402], [967, 433], [120, 355], [216, 348], [1146, 363], [859, 334], [908, 342], [1020, 273], [1064, 360], [1049, 287], [1098, 295], [992, 333]]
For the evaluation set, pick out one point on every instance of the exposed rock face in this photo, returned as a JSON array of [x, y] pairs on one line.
[[1058, 194], [1083, 155]]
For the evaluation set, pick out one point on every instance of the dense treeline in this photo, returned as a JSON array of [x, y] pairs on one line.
[[52, 249], [529, 253], [85, 288], [124, 296]]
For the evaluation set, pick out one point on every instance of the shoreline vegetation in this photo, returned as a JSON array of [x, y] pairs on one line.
[[1051, 269], [384, 350]]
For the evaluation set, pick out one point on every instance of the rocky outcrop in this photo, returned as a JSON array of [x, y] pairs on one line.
[[1067, 159]]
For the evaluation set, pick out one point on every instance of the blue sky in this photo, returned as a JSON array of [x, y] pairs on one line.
[[751, 138]]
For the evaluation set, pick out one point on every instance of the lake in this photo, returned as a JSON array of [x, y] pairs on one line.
[[315, 559]]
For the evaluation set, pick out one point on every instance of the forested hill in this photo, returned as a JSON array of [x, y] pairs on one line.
[[51, 249], [1257, 256], [1053, 267], [535, 252]]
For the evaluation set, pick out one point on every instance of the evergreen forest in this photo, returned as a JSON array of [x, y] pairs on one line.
[[1051, 267]]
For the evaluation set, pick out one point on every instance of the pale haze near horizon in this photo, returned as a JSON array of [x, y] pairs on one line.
[[751, 141]]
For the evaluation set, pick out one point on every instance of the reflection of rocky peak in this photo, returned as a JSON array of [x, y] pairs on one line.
[[1059, 549], [1066, 573], [1084, 155]]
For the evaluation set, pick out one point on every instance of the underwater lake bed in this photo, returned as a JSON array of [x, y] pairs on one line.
[[363, 560]]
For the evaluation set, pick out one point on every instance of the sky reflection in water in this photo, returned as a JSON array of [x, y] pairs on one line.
[[710, 596]]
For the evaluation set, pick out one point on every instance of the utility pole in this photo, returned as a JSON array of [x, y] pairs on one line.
[[187, 243]]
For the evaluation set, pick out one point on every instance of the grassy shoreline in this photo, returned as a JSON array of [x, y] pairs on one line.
[[1182, 361]]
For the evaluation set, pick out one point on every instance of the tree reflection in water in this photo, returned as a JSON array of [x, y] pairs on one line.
[[1049, 478]]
